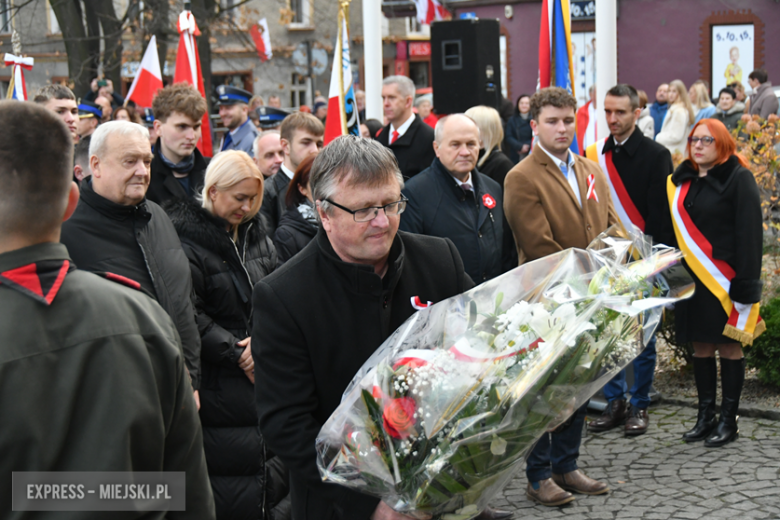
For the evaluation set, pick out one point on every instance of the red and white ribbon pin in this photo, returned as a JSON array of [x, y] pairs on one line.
[[592, 188]]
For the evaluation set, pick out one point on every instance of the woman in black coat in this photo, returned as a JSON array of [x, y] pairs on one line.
[[518, 130], [299, 223], [721, 200], [229, 251]]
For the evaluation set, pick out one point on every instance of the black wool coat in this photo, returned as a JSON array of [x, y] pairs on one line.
[[317, 320], [293, 234], [644, 166], [274, 205], [164, 186], [726, 207], [100, 233], [439, 207], [413, 150], [223, 274]]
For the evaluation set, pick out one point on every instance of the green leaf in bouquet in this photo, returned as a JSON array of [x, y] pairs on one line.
[[375, 427], [499, 299], [472, 314], [450, 483], [429, 497]]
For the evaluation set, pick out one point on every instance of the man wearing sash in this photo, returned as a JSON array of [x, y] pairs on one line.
[[554, 200], [636, 169]]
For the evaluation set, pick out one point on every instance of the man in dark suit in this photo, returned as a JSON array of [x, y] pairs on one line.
[[451, 199], [178, 167], [320, 316], [410, 140], [636, 169]]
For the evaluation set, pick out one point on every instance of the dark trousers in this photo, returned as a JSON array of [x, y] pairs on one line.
[[557, 452], [644, 371]]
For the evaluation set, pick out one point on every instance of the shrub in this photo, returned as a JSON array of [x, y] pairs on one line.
[[764, 354], [681, 351]]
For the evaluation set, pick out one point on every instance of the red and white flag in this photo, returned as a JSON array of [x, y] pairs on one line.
[[262, 39], [148, 78], [342, 116], [188, 71], [430, 10]]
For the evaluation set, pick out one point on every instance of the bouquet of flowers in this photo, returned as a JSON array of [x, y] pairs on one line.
[[440, 417]]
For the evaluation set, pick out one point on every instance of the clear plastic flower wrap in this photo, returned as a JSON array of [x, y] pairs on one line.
[[440, 417]]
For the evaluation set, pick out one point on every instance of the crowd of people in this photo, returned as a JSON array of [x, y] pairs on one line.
[[241, 294]]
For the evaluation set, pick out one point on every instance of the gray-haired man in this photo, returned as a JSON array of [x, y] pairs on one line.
[[323, 313], [116, 230], [410, 140]]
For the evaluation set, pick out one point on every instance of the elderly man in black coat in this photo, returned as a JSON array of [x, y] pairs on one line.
[[320, 316], [451, 199], [410, 140], [115, 229]]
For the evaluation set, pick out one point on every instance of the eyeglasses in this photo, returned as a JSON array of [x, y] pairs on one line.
[[370, 213], [706, 141]]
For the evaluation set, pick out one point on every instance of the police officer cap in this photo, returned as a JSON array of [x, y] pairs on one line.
[[148, 117], [232, 95], [270, 117], [90, 109]]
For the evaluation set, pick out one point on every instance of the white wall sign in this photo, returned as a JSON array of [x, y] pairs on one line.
[[732, 55]]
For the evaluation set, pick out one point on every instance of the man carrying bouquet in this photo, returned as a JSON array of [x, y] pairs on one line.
[[554, 200], [636, 168], [319, 317]]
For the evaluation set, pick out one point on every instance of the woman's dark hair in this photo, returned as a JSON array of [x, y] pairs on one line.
[[294, 196], [131, 113], [373, 126], [517, 102]]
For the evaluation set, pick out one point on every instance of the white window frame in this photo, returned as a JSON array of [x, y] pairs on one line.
[[414, 29], [305, 17], [5, 16], [52, 25]]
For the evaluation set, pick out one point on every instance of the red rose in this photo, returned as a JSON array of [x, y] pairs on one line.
[[399, 417]]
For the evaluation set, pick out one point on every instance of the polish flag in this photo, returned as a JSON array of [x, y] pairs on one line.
[[262, 39], [429, 11], [342, 116], [148, 78], [188, 71]]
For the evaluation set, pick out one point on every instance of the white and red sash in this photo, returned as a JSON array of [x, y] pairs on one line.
[[625, 207], [744, 325]]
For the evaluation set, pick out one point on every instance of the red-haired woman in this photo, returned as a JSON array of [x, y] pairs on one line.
[[717, 218]]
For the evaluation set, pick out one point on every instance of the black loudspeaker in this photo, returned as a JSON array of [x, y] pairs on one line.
[[466, 64]]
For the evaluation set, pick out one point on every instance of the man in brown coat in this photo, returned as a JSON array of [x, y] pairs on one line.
[[555, 200], [550, 210]]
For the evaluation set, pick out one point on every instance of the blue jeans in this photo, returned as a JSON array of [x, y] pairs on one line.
[[556, 452], [644, 371]]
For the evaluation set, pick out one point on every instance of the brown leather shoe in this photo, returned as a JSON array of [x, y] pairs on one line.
[[548, 494], [494, 514], [578, 482], [637, 422], [614, 415]]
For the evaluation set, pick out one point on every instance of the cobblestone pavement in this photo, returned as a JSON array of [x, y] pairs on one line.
[[656, 476]]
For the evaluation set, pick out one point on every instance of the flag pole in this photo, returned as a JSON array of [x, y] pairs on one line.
[[606, 57], [372, 58]]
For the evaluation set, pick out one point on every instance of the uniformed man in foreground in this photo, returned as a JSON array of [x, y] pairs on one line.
[[234, 112], [91, 372]]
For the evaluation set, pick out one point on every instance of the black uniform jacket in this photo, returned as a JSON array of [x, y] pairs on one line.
[[439, 207], [163, 185], [725, 206], [91, 379], [644, 166], [100, 237], [223, 274], [413, 150], [317, 320]]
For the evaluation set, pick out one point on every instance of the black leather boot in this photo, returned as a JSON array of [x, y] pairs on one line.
[[705, 371], [732, 376]]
